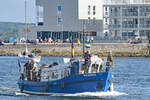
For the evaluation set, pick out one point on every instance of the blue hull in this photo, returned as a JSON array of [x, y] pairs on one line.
[[73, 84]]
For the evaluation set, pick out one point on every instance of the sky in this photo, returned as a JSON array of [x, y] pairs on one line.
[[14, 11]]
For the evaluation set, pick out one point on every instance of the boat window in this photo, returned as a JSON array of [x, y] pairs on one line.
[[46, 75], [66, 72], [94, 68], [62, 73], [82, 69], [101, 68], [55, 74]]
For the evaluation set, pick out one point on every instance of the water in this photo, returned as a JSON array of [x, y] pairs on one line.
[[131, 81]]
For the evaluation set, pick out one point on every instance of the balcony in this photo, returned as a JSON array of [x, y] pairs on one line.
[[115, 14], [144, 25], [129, 26], [114, 26]]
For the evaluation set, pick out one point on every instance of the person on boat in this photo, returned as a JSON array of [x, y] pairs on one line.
[[1, 43], [31, 55], [109, 62], [39, 75], [87, 57], [24, 53], [27, 69], [39, 72], [92, 39], [34, 71]]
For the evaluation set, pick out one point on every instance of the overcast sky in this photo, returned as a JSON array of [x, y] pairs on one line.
[[13, 11]]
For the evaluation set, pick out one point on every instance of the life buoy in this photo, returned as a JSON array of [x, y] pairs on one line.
[[99, 86]]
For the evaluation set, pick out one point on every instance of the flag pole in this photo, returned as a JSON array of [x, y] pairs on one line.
[[83, 38]]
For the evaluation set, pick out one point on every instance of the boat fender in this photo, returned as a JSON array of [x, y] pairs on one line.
[[22, 76], [63, 85], [111, 87], [99, 86], [46, 87], [22, 87]]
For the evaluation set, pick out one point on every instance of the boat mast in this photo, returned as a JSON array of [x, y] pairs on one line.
[[26, 24], [83, 38], [72, 46]]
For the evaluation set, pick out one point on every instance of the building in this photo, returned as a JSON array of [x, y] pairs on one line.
[[62, 19], [126, 18]]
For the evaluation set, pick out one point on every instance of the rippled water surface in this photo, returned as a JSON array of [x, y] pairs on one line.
[[131, 81]]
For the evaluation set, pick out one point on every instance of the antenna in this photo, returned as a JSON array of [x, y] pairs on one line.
[[26, 24], [25, 17], [83, 37]]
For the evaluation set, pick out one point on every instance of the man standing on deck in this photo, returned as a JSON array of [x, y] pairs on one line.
[[109, 62], [27, 69], [87, 57], [34, 70]]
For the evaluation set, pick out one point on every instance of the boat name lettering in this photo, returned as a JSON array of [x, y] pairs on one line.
[[90, 75]]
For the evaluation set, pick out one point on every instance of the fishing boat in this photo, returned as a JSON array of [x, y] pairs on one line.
[[71, 77]]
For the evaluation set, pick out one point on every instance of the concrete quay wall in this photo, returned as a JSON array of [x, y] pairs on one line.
[[54, 49]]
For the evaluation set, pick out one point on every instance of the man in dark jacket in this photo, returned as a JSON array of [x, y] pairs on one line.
[[27, 69], [87, 57]]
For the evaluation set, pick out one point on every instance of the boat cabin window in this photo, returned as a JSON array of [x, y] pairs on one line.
[[82, 69], [94, 68], [66, 72], [101, 68], [46, 75], [62, 74], [55, 74]]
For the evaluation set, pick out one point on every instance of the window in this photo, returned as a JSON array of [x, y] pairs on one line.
[[59, 8], [94, 68], [94, 13], [105, 8], [82, 69], [106, 12], [94, 7], [89, 9], [62, 74], [94, 10], [59, 11], [46, 75], [59, 20], [88, 12], [54, 74], [66, 73], [40, 15], [94, 21], [89, 20], [106, 22]]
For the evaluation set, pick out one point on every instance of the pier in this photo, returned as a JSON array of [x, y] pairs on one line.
[[63, 49]]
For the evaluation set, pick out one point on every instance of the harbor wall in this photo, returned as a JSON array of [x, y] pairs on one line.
[[118, 49]]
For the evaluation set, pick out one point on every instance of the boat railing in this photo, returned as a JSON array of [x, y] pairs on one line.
[[59, 71], [55, 74]]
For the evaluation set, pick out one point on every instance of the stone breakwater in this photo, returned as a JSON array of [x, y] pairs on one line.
[[118, 49]]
